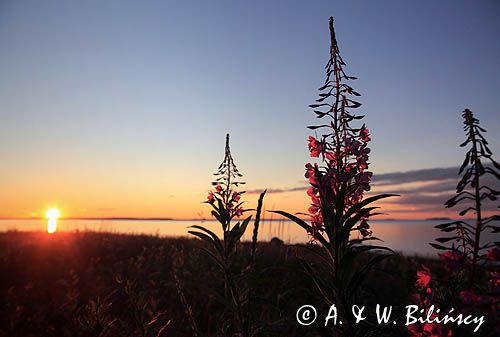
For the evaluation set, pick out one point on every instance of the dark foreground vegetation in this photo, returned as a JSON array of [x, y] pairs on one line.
[[98, 284]]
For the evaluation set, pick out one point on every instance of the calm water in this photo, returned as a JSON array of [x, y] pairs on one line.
[[409, 237]]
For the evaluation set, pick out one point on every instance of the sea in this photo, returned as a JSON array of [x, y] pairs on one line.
[[410, 237]]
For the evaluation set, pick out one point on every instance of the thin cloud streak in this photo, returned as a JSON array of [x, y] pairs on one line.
[[421, 191], [423, 175], [445, 179], [439, 180]]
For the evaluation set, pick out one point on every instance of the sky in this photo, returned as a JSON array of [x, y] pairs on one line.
[[120, 108]]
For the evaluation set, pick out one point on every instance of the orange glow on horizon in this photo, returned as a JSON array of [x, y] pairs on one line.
[[174, 202]]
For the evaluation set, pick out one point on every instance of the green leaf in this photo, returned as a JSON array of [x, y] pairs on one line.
[[444, 240], [358, 278], [217, 216], [360, 241], [217, 260], [435, 245], [206, 238], [320, 286], [238, 230], [243, 227], [364, 203], [202, 236], [352, 221], [301, 223], [216, 240], [365, 248], [295, 219]]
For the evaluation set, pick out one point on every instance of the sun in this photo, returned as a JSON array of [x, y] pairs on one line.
[[52, 214]]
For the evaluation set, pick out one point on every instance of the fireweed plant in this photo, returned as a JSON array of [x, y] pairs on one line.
[[467, 248], [338, 182], [472, 280], [227, 205]]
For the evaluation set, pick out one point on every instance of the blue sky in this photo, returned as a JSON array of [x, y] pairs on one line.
[[112, 94]]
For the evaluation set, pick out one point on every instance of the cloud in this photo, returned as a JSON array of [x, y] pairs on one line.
[[437, 180], [423, 190], [279, 190], [432, 174], [447, 178]]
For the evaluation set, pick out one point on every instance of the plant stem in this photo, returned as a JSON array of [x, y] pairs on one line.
[[477, 197]]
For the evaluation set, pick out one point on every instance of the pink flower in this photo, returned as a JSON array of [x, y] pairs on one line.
[[312, 192], [423, 278], [331, 157], [365, 232], [364, 227], [429, 330], [315, 147], [317, 220], [236, 196], [316, 227], [352, 145], [494, 282], [311, 174], [218, 188], [363, 180], [364, 134], [362, 158], [493, 254], [309, 170], [315, 200], [453, 259], [238, 212], [468, 297], [313, 209], [210, 197], [470, 300]]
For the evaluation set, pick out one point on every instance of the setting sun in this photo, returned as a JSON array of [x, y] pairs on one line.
[[52, 214]]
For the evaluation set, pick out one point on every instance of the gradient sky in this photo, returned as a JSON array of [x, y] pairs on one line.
[[120, 108]]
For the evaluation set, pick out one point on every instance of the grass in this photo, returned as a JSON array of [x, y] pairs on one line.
[[101, 284]]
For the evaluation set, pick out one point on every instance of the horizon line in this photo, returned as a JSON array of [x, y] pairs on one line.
[[202, 219]]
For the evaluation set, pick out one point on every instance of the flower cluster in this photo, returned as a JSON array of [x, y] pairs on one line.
[[424, 299], [229, 199], [343, 175], [454, 260], [485, 304], [488, 303]]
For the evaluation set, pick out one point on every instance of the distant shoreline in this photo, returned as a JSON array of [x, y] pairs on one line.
[[173, 219]]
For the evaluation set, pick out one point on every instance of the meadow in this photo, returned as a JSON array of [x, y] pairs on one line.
[[99, 284]]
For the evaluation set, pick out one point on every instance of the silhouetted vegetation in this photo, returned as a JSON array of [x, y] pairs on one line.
[[98, 284]]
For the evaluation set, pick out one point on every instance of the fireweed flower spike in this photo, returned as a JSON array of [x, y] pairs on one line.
[[339, 179], [225, 199]]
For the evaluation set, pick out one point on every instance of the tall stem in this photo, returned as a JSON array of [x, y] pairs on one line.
[[477, 198]]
